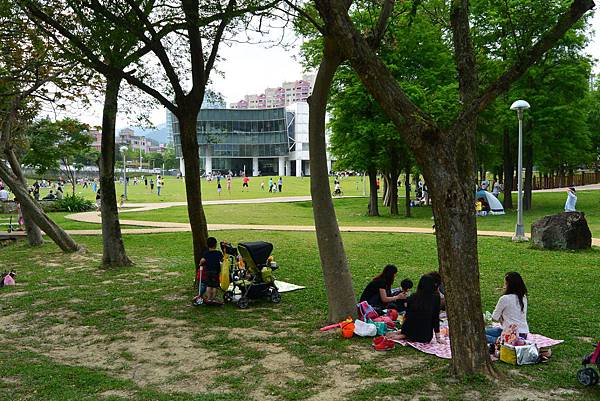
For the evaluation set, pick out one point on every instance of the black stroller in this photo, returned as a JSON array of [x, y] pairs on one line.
[[587, 375], [252, 276]]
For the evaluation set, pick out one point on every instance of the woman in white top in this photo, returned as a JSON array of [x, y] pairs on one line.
[[511, 308]]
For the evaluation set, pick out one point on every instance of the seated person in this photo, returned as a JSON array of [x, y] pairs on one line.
[[510, 309], [211, 263], [59, 193], [439, 288], [378, 293], [50, 196], [3, 195], [422, 317], [406, 285]]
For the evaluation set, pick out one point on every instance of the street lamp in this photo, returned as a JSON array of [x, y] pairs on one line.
[[123, 150], [519, 106]]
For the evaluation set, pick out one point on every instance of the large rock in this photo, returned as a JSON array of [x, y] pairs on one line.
[[567, 230]]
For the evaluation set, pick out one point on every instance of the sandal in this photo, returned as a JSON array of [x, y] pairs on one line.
[[378, 340]]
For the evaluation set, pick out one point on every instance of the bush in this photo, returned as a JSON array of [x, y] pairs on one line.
[[73, 203]]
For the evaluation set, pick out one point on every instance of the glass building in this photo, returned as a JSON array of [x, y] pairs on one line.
[[251, 141]]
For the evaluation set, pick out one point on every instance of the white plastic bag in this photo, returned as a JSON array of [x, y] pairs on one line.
[[364, 329], [527, 354]]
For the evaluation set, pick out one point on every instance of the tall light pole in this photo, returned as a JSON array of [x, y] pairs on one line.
[[123, 150], [519, 106]]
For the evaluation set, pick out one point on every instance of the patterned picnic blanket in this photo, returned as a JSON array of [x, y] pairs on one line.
[[443, 350]]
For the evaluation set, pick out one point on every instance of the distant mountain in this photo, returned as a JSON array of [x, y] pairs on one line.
[[158, 134]]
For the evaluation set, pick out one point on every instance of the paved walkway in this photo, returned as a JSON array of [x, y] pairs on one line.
[[155, 227]]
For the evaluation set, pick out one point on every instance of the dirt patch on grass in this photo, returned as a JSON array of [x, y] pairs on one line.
[[116, 393], [12, 294], [147, 358], [250, 333], [12, 323]]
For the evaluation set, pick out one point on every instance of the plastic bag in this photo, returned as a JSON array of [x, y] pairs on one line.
[[364, 329]]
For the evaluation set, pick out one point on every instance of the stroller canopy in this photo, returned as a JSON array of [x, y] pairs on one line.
[[495, 205], [259, 251]]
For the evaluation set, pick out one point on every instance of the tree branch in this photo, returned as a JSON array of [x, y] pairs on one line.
[[217, 40], [463, 50], [577, 9], [380, 28]]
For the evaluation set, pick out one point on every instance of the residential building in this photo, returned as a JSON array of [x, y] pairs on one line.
[[128, 138], [96, 134], [284, 95]]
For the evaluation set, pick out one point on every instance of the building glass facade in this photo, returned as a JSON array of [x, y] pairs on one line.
[[251, 141], [232, 138]]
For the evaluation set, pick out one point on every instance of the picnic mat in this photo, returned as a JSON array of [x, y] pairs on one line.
[[282, 286], [443, 350]]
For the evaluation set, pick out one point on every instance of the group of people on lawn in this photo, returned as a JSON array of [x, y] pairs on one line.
[[422, 308]]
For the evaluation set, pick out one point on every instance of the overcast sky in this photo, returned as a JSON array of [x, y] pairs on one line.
[[250, 69]]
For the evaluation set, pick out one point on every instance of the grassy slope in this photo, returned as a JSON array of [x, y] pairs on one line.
[[119, 304], [352, 212]]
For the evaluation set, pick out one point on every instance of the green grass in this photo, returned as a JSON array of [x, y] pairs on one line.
[[174, 189], [73, 331], [353, 212]]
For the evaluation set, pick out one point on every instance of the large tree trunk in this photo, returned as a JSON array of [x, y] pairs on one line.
[[373, 200], [508, 163], [338, 280], [392, 179], [407, 208], [456, 234], [191, 159], [113, 249], [528, 187], [57, 234], [34, 234]]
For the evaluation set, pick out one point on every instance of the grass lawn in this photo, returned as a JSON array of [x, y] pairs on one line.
[[174, 189], [352, 212], [72, 331]]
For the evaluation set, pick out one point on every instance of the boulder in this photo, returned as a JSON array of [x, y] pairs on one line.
[[567, 230]]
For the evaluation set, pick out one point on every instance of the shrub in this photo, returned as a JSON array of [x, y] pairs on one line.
[[74, 203]]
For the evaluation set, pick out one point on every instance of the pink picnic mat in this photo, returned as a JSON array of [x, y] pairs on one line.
[[443, 350]]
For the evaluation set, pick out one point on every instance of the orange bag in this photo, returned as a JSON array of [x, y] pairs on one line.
[[347, 329]]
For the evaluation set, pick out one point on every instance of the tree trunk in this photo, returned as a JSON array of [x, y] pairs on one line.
[[113, 248], [191, 159], [509, 172], [407, 208], [392, 179], [57, 234], [528, 187], [338, 280], [456, 235], [34, 234], [373, 201]]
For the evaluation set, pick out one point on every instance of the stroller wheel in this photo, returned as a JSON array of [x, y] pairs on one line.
[[587, 376], [228, 296], [275, 297], [243, 303]]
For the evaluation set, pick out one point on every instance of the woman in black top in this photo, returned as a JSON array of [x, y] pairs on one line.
[[422, 317], [378, 293]]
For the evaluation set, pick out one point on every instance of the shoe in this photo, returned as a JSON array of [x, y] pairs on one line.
[[378, 340], [385, 345]]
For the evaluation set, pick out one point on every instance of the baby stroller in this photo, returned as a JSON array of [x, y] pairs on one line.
[[587, 375], [251, 273]]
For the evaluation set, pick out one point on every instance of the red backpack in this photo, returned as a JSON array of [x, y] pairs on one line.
[[366, 311]]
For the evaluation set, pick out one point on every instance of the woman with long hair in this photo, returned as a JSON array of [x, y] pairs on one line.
[[422, 317], [378, 293], [511, 308]]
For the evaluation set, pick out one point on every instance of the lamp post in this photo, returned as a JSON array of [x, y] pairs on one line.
[[519, 106], [123, 149]]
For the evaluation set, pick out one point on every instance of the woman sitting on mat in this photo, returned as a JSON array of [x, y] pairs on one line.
[[511, 308], [422, 317], [378, 293]]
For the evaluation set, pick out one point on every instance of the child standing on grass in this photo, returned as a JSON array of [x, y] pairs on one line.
[[211, 263]]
